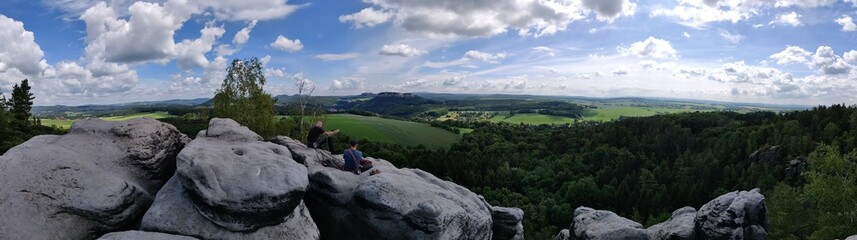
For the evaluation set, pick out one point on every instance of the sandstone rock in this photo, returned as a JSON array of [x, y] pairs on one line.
[[795, 168], [99, 177], [599, 224], [395, 204], [735, 215], [174, 212], [563, 235], [231, 185], [854, 237], [310, 157], [139, 235], [679, 227], [769, 156], [507, 223]]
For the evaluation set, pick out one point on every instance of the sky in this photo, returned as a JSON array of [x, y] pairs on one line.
[[763, 51]]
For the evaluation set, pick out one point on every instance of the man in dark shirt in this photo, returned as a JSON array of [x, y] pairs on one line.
[[354, 159], [317, 137]]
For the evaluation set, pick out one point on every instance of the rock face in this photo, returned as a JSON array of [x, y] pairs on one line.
[[599, 224], [852, 238], [394, 204], [770, 156], [99, 177], [310, 157], [508, 223], [735, 215], [795, 168], [231, 185], [139, 235], [679, 227], [563, 235]]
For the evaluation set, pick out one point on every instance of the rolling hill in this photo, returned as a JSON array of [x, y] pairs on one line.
[[391, 131]]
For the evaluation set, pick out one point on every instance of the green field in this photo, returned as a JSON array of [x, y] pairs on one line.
[[66, 123], [531, 118], [610, 113], [390, 131]]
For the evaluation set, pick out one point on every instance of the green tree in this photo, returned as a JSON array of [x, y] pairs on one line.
[[242, 98], [21, 104], [4, 122]]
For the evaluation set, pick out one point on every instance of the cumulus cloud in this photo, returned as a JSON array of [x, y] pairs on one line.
[[655, 65], [368, 17], [608, 10], [336, 57], [191, 53], [733, 38], [242, 36], [828, 62], [850, 56], [740, 72], [489, 18], [402, 50], [454, 80], [620, 71], [414, 84], [288, 45], [483, 56], [791, 55], [19, 53], [847, 23], [517, 83], [698, 13], [549, 51], [351, 83], [787, 19], [685, 35], [651, 47]]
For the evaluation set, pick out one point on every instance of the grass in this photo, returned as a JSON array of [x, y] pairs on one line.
[[610, 113], [391, 131], [531, 118], [66, 123]]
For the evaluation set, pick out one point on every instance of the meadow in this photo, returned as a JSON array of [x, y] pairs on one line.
[[610, 113], [391, 131], [531, 118], [66, 123]]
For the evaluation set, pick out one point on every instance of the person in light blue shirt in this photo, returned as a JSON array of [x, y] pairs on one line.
[[354, 159]]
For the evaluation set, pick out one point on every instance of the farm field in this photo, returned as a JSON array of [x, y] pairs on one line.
[[531, 118], [66, 123], [390, 131], [610, 113]]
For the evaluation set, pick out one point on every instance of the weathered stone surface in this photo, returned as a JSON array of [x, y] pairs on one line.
[[394, 204], [769, 156], [854, 237], [310, 157], [679, 227], [99, 177], [508, 223], [591, 224], [795, 168], [231, 185], [174, 212], [563, 235], [735, 215], [140, 235]]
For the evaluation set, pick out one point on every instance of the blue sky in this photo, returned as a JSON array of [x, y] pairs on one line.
[[768, 51]]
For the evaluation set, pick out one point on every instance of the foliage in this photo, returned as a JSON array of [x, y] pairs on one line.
[[242, 98], [391, 131], [823, 208], [16, 122]]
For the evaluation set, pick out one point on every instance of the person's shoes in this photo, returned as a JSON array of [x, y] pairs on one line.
[[373, 172]]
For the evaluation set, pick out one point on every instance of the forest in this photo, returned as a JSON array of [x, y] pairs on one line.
[[644, 168]]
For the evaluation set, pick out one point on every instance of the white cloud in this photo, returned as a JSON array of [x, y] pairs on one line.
[[791, 55], [19, 53], [787, 19], [830, 63], [739, 72], [620, 71], [698, 13], [242, 36], [655, 65], [608, 10], [456, 18], [733, 38], [850, 56], [336, 57], [222, 9], [289, 45], [368, 17], [847, 23], [402, 50], [483, 56], [651, 47], [550, 51], [351, 83], [804, 3], [191, 53], [454, 80], [409, 85], [685, 35], [517, 83]]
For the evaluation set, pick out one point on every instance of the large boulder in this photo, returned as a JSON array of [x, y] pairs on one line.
[[508, 223], [140, 235], [735, 215], [591, 224], [394, 204], [310, 157], [854, 237], [99, 177], [679, 227], [770, 156], [563, 235], [794, 170], [231, 185]]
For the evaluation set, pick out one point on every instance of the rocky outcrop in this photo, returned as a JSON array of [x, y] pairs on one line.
[[507, 223], [140, 235], [735, 215], [231, 185], [770, 156], [394, 204], [310, 157], [100, 177], [599, 224], [852, 238], [680, 226], [794, 170]]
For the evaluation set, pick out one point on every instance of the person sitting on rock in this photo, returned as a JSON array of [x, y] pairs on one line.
[[354, 161], [317, 137]]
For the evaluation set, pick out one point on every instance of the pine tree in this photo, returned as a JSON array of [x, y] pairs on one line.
[[242, 98], [4, 120], [21, 104]]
